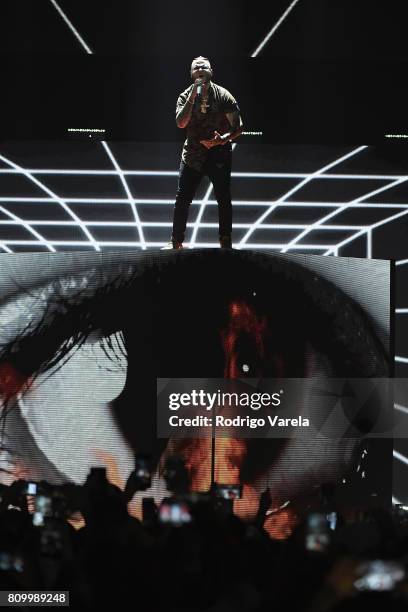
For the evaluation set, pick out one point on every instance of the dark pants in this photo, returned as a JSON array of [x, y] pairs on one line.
[[218, 169]]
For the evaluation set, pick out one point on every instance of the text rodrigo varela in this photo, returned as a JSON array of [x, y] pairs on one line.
[[203, 400]]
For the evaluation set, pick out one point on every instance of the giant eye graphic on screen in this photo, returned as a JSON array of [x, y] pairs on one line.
[[83, 338]]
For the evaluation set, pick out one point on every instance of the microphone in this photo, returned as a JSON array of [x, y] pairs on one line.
[[199, 90]]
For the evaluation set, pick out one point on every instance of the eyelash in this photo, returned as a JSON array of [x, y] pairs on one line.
[[68, 322], [64, 328], [35, 351]]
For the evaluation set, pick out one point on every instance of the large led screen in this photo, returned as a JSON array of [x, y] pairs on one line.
[[85, 336]]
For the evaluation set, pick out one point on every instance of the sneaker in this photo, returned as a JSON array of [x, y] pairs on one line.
[[225, 242], [173, 244]]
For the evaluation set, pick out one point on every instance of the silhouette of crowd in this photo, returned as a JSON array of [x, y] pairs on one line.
[[193, 554]]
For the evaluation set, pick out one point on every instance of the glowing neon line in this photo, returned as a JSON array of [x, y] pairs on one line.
[[319, 223], [127, 191], [55, 198], [71, 27], [166, 173], [369, 244], [151, 244], [401, 408], [308, 247], [400, 457], [160, 201], [275, 27], [200, 213], [269, 226], [22, 223], [296, 188], [374, 226]]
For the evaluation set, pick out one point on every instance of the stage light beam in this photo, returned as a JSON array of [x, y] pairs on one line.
[[71, 27], [273, 30]]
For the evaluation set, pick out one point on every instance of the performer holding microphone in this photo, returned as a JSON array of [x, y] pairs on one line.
[[212, 118]]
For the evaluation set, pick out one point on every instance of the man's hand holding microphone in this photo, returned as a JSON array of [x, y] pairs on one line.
[[197, 89]]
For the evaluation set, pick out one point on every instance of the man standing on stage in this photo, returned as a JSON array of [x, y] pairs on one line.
[[212, 118]]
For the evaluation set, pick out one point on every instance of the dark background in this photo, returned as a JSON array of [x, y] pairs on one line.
[[333, 72], [134, 98]]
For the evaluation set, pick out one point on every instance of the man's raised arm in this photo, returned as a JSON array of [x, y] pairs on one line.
[[183, 114]]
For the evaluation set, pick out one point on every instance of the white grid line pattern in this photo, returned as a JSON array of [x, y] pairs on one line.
[[15, 220], [296, 188], [370, 228], [127, 191], [396, 209], [359, 200], [54, 196]]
